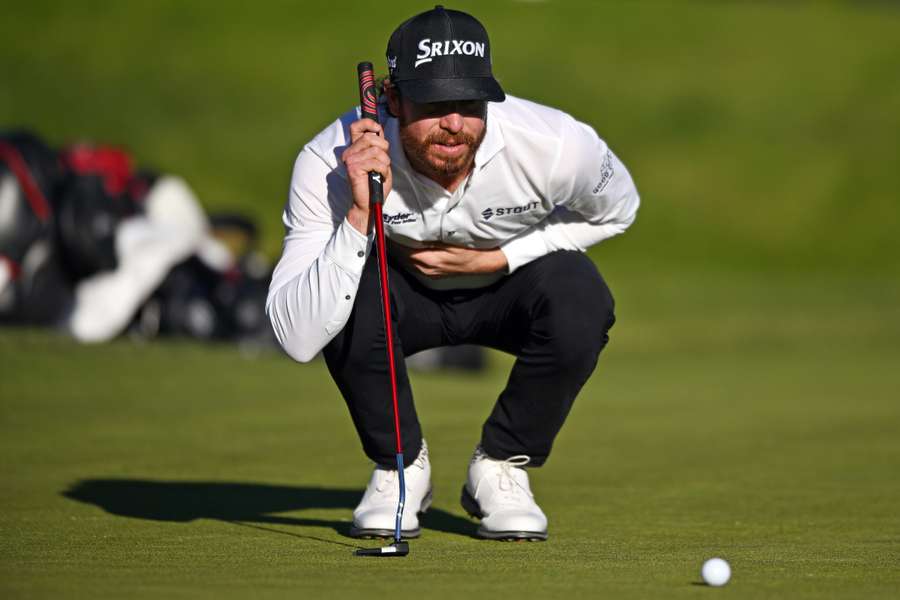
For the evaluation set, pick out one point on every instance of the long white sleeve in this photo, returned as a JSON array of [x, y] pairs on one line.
[[315, 282], [542, 182], [594, 194]]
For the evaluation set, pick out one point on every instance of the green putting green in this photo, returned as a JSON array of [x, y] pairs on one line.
[[757, 423]]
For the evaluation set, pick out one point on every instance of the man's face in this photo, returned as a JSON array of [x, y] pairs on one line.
[[441, 138]]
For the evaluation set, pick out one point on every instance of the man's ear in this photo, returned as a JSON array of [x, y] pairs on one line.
[[393, 98]]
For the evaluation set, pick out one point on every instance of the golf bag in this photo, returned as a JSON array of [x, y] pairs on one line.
[[101, 190], [200, 300], [34, 288]]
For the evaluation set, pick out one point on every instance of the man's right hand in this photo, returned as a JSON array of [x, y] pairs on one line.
[[368, 151]]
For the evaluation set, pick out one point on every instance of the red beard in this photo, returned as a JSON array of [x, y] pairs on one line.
[[427, 159]]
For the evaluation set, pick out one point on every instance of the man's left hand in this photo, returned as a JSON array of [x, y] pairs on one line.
[[443, 260]]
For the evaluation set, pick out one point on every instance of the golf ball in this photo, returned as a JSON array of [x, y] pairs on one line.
[[715, 572]]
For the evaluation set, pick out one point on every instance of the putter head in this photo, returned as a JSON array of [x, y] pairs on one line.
[[395, 549]]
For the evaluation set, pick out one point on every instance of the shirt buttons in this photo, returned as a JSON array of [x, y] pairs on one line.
[[360, 254], [347, 297]]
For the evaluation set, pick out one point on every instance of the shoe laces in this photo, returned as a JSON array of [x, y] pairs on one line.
[[422, 458], [509, 488], [384, 484]]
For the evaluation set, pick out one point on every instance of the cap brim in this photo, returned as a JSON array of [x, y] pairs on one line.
[[446, 90]]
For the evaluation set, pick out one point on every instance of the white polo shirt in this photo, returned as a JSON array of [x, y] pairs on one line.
[[542, 181]]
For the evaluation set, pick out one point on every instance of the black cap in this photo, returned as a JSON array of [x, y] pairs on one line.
[[442, 55]]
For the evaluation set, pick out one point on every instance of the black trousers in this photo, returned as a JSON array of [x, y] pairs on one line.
[[553, 314]]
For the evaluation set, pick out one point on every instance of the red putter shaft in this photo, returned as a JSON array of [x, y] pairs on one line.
[[386, 303], [368, 104]]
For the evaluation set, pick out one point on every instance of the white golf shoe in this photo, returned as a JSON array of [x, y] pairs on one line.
[[498, 493], [376, 514]]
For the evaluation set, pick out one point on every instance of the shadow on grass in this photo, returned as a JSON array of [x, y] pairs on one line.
[[248, 504]]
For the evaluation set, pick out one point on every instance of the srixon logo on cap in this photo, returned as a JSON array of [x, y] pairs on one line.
[[428, 49]]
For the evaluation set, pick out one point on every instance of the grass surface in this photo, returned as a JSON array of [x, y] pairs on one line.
[[756, 422]]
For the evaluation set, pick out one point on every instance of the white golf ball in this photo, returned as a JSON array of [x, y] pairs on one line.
[[715, 572]]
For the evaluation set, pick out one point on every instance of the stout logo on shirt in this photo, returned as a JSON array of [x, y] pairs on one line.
[[487, 213]]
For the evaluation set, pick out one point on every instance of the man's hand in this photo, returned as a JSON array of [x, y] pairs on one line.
[[443, 260], [368, 151]]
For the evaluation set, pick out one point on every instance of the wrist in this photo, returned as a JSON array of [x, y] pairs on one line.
[[496, 261], [360, 219]]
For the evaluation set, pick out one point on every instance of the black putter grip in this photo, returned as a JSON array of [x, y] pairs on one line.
[[368, 105]]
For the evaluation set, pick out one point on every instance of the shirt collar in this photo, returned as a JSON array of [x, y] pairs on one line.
[[491, 144]]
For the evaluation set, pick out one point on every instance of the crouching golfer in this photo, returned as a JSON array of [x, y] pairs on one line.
[[490, 201]]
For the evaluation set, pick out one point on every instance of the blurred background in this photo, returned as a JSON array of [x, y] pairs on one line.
[[757, 293], [763, 136]]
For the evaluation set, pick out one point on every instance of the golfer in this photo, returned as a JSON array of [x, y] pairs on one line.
[[490, 202]]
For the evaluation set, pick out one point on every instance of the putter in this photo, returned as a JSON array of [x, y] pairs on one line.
[[369, 108]]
